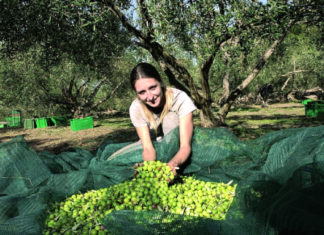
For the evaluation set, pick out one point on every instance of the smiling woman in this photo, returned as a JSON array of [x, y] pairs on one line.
[[149, 92], [157, 110]]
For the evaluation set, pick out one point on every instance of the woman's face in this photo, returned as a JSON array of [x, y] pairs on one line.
[[149, 91]]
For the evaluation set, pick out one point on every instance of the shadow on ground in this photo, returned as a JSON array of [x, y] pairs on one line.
[[245, 131], [58, 140], [87, 142]]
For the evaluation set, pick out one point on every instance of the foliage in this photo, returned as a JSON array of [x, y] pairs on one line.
[[76, 48], [19, 79], [199, 45], [303, 53], [65, 88], [76, 28], [216, 39]]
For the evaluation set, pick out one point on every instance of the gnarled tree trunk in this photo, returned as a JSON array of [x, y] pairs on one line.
[[221, 115]]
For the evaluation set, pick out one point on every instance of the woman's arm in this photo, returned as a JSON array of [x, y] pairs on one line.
[[186, 130], [149, 153]]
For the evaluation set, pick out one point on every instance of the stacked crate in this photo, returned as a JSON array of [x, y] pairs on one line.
[[15, 119], [29, 123], [314, 109]]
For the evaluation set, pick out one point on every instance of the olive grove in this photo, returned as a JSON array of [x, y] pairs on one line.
[[61, 55], [238, 37], [208, 48]]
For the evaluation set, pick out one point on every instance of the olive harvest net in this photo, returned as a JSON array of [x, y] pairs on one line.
[[279, 177]]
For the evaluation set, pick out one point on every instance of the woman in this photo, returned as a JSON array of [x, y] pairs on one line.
[[159, 109]]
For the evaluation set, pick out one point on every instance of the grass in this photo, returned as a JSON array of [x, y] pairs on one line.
[[250, 122], [246, 123], [120, 122]]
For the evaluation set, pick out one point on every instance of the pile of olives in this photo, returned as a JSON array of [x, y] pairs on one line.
[[149, 190]]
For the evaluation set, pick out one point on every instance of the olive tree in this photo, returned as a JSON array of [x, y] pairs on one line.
[[74, 47], [234, 35]]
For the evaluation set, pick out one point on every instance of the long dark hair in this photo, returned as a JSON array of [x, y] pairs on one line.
[[144, 70]]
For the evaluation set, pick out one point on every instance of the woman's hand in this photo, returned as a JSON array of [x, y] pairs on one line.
[[149, 153], [174, 167], [135, 168], [186, 131]]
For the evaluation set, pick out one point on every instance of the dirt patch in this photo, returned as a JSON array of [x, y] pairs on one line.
[[246, 123], [60, 139], [253, 121]]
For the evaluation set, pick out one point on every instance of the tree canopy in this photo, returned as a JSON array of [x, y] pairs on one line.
[[74, 46], [204, 47], [228, 34]]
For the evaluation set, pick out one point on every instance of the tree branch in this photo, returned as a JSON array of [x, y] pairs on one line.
[[82, 88], [146, 20], [71, 86], [261, 62], [116, 11], [110, 95], [140, 44], [205, 68], [95, 91], [294, 72], [166, 61]]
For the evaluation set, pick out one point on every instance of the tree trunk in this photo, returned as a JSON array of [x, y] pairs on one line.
[[291, 76], [207, 118], [174, 73], [226, 89], [226, 83], [177, 74], [221, 115], [285, 83]]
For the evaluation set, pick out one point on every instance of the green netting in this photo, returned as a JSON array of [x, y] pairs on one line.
[[152, 222], [279, 177]]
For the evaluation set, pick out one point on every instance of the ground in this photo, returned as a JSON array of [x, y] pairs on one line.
[[247, 122], [59, 139]]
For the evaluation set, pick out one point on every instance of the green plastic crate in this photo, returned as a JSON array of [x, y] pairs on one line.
[[320, 108], [59, 121], [15, 113], [306, 101], [29, 123], [81, 124], [314, 109], [13, 121], [41, 122], [2, 125]]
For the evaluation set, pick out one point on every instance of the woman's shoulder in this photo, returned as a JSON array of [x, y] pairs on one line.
[[178, 94], [135, 105], [175, 90]]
